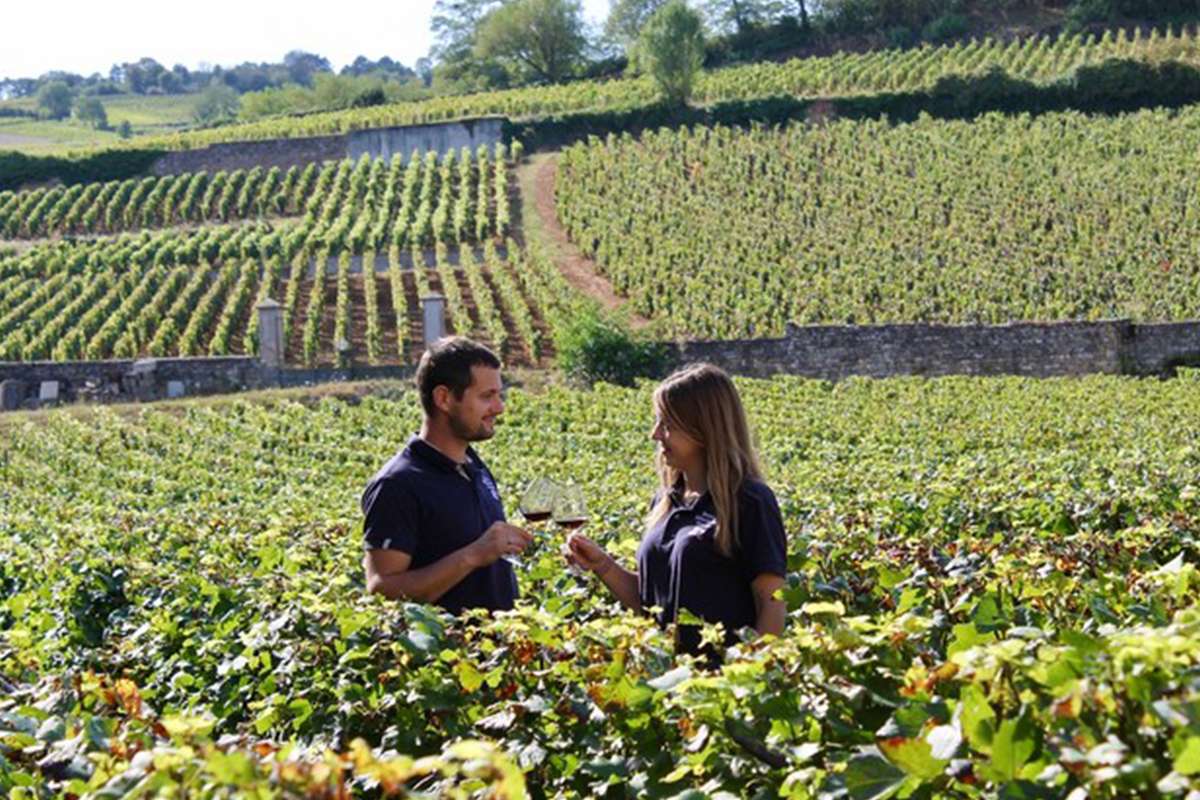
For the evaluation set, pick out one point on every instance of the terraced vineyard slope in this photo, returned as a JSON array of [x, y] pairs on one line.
[[720, 232], [348, 249], [1036, 58]]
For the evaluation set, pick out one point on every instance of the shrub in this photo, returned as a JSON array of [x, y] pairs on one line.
[[597, 347], [946, 27]]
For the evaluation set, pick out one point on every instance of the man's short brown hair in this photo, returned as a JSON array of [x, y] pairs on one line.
[[448, 363]]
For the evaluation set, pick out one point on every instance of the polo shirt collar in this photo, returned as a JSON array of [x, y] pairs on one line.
[[703, 503], [436, 458]]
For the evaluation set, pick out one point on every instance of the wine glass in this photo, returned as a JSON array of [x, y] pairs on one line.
[[570, 512], [537, 502], [536, 505]]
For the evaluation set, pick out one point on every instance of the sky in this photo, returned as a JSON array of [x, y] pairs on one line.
[[86, 36]]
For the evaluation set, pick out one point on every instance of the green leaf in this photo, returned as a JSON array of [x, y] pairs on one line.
[[870, 777], [265, 719], [836, 608], [301, 710], [914, 756], [468, 676], [977, 718], [966, 636], [1013, 745], [1187, 761]]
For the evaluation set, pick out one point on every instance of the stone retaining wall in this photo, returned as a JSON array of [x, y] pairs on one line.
[[1027, 348], [830, 352], [36, 384], [377, 142]]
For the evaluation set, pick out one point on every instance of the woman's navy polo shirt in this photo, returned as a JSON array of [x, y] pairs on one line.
[[679, 565], [427, 505]]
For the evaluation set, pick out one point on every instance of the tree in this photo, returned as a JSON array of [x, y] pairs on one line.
[[454, 25], [301, 66], [55, 99], [125, 129], [141, 75], [424, 68], [218, 102], [737, 16], [91, 111], [454, 65], [626, 18], [671, 49], [541, 37]]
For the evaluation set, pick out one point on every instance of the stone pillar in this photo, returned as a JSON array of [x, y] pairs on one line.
[[434, 311], [12, 395], [270, 333]]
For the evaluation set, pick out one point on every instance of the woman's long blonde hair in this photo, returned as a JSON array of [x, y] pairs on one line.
[[701, 401]]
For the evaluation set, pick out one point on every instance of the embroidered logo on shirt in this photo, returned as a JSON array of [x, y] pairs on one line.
[[491, 487]]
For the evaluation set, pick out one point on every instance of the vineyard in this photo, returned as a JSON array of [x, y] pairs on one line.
[[1062, 216], [1036, 59], [992, 590], [347, 248]]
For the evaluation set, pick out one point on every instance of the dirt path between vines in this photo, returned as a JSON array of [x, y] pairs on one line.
[[578, 269]]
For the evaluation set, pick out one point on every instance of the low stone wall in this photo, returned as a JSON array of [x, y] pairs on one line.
[[831, 352], [42, 383], [378, 142]]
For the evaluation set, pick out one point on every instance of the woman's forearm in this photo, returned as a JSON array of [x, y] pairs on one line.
[[770, 610], [623, 584], [771, 617]]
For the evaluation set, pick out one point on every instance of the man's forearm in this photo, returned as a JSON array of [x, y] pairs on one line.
[[427, 584]]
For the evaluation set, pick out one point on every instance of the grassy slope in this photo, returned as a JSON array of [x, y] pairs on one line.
[[150, 115]]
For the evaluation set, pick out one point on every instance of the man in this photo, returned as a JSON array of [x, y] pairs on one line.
[[434, 525]]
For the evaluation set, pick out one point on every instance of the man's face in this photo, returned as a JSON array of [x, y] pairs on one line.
[[473, 418]]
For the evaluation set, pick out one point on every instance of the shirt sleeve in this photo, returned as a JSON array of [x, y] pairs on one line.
[[390, 517], [762, 542]]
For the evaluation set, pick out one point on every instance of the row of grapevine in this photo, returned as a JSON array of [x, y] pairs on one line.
[[346, 188], [361, 204], [991, 590], [1037, 58], [727, 233]]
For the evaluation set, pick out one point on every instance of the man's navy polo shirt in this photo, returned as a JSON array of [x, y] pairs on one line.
[[680, 567], [425, 504]]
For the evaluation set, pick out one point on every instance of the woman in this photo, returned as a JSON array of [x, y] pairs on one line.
[[714, 543]]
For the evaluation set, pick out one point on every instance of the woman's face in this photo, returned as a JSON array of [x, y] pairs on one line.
[[677, 448]]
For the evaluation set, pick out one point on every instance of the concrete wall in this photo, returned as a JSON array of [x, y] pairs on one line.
[[1036, 349], [378, 142], [437, 138]]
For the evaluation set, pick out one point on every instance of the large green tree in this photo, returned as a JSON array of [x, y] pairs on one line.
[[736, 16], [55, 99], [671, 49], [541, 38], [454, 65], [218, 102], [626, 18], [90, 110]]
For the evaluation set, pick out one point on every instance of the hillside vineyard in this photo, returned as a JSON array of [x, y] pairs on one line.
[[844, 74], [989, 579], [347, 248], [1062, 217]]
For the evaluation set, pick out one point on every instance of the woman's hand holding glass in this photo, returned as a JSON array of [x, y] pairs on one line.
[[582, 553]]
